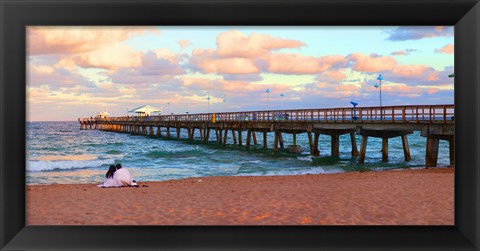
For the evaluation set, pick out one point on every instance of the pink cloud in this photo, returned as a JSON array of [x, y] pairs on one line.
[[404, 33], [38, 75], [331, 76], [232, 87], [154, 67], [347, 87], [236, 44], [184, 43], [372, 63], [289, 63], [399, 53], [447, 49], [250, 54], [433, 76], [208, 61], [409, 70], [111, 57], [66, 40]]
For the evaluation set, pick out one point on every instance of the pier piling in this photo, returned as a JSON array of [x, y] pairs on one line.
[[335, 145], [363, 149], [406, 148], [451, 145], [249, 136], [354, 144], [432, 152], [316, 152], [264, 139], [384, 149]]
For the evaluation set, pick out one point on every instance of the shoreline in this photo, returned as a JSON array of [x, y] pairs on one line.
[[388, 197], [246, 175]]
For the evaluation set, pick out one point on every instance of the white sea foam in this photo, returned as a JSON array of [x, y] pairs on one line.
[[251, 161], [316, 170], [305, 158], [38, 166]]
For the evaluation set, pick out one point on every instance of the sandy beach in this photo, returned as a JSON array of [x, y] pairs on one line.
[[396, 197]]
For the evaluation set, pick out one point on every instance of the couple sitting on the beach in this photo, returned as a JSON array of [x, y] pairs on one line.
[[118, 177]]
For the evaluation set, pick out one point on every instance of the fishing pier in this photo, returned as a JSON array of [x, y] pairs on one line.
[[435, 122]]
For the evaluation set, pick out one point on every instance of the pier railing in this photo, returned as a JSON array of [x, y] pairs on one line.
[[386, 114]]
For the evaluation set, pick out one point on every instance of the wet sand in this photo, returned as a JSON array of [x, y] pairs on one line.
[[396, 197]]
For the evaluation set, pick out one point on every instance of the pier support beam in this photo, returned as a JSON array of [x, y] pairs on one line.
[[451, 144], [384, 149], [363, 149], [275, 142], [207, 135], [151, 130], [254, 135], [432, 152], [384, 135], [406, 148], [316, 152], [178, 132], [168, 132], [220, 136], [280, 139], [240, 138], [234, 137], [264, 139], [310, 142], [335, 140], [225, 137], [354, 144], [249, 136]]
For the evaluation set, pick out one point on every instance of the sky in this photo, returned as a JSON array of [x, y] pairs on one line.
[[76, 72]]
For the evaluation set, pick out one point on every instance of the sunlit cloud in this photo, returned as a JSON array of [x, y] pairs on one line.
[[184, 43], [236, 44], [447, 49], [403, 52], [403, 33], [208, 61], [111, 57], [74, 39], [55, 77], [372, 63], [289, 63]]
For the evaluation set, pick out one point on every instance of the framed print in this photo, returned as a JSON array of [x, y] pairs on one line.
[[239, 125]]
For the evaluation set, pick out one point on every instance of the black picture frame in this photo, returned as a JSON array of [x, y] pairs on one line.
[[16, 14]]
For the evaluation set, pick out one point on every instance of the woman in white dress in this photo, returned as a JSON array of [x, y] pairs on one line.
[[109, 180], [123, 177]]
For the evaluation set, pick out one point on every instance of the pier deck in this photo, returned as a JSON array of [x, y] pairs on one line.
[[435, 122]]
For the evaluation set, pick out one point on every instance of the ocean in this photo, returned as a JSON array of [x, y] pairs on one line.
[[61, 153]]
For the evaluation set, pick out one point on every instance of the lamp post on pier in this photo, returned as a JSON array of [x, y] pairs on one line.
[[380, 78], [281, 95], [267, 91], [208, 100]]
